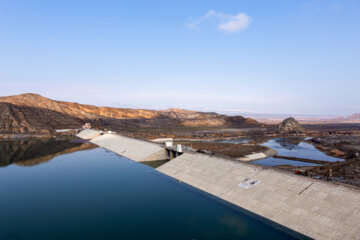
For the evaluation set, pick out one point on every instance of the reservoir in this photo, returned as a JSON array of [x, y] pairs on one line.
[[61, 189]]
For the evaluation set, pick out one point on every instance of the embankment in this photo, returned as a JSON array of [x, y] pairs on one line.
[[317, 209], [134, 149]]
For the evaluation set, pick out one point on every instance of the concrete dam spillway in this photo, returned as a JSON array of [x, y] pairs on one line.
[[312, 207], [139, 151]]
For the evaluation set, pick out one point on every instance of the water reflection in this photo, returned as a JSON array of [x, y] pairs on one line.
[[295, 149], [286, 147], [30, 152], [155, 164], [237, 224], [289, 143]]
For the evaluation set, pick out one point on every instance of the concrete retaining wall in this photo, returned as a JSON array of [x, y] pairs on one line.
[[88, 134], [137, 150], [317, 209]]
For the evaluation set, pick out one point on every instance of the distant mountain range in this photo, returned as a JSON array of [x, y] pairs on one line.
[[353, 118], [32, 113]]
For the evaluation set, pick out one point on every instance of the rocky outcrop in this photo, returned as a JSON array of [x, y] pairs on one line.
[[289, 125], [354, 118], [27, 113], [23, 119]]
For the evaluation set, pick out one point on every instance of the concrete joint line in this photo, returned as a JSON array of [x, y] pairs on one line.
[[227, 191], [305, 188]]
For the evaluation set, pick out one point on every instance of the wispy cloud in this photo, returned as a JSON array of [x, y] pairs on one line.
[[225, 22]]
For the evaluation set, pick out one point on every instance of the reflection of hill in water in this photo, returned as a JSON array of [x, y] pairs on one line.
[[289, 143], [32, 152]]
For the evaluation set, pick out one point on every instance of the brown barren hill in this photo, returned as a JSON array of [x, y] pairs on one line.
[[354, 118], [26, 113], [75, 109], [289, 125], [25, 119]]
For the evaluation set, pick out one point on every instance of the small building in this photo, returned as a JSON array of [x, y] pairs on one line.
[[168, 144], [179, 148]]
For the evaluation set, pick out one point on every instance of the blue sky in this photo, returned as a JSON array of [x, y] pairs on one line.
[[299, 57]]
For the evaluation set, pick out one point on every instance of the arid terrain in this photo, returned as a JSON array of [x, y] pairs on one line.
[[340, 140], [32, 113], [210, 133]]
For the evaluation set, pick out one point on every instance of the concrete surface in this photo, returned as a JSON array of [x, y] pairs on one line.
[[88, 134], [162, 140], [134, 149], [317, 209], [256, 156], [251, 157]]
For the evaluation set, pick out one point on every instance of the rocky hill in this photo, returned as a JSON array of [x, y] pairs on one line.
[[28, 113], [289, 125], [354, 118], [24, 119]]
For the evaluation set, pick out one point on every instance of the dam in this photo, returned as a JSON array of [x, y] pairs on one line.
[[311, 207], [80, 192]]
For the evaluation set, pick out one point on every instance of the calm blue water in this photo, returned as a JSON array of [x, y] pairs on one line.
[[95, 194], [298, 148], [294, 147]]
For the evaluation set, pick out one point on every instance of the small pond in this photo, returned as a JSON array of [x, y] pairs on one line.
[[294, 147]]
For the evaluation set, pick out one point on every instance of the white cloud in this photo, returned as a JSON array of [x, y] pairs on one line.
[[237, 23], [225, 22]]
